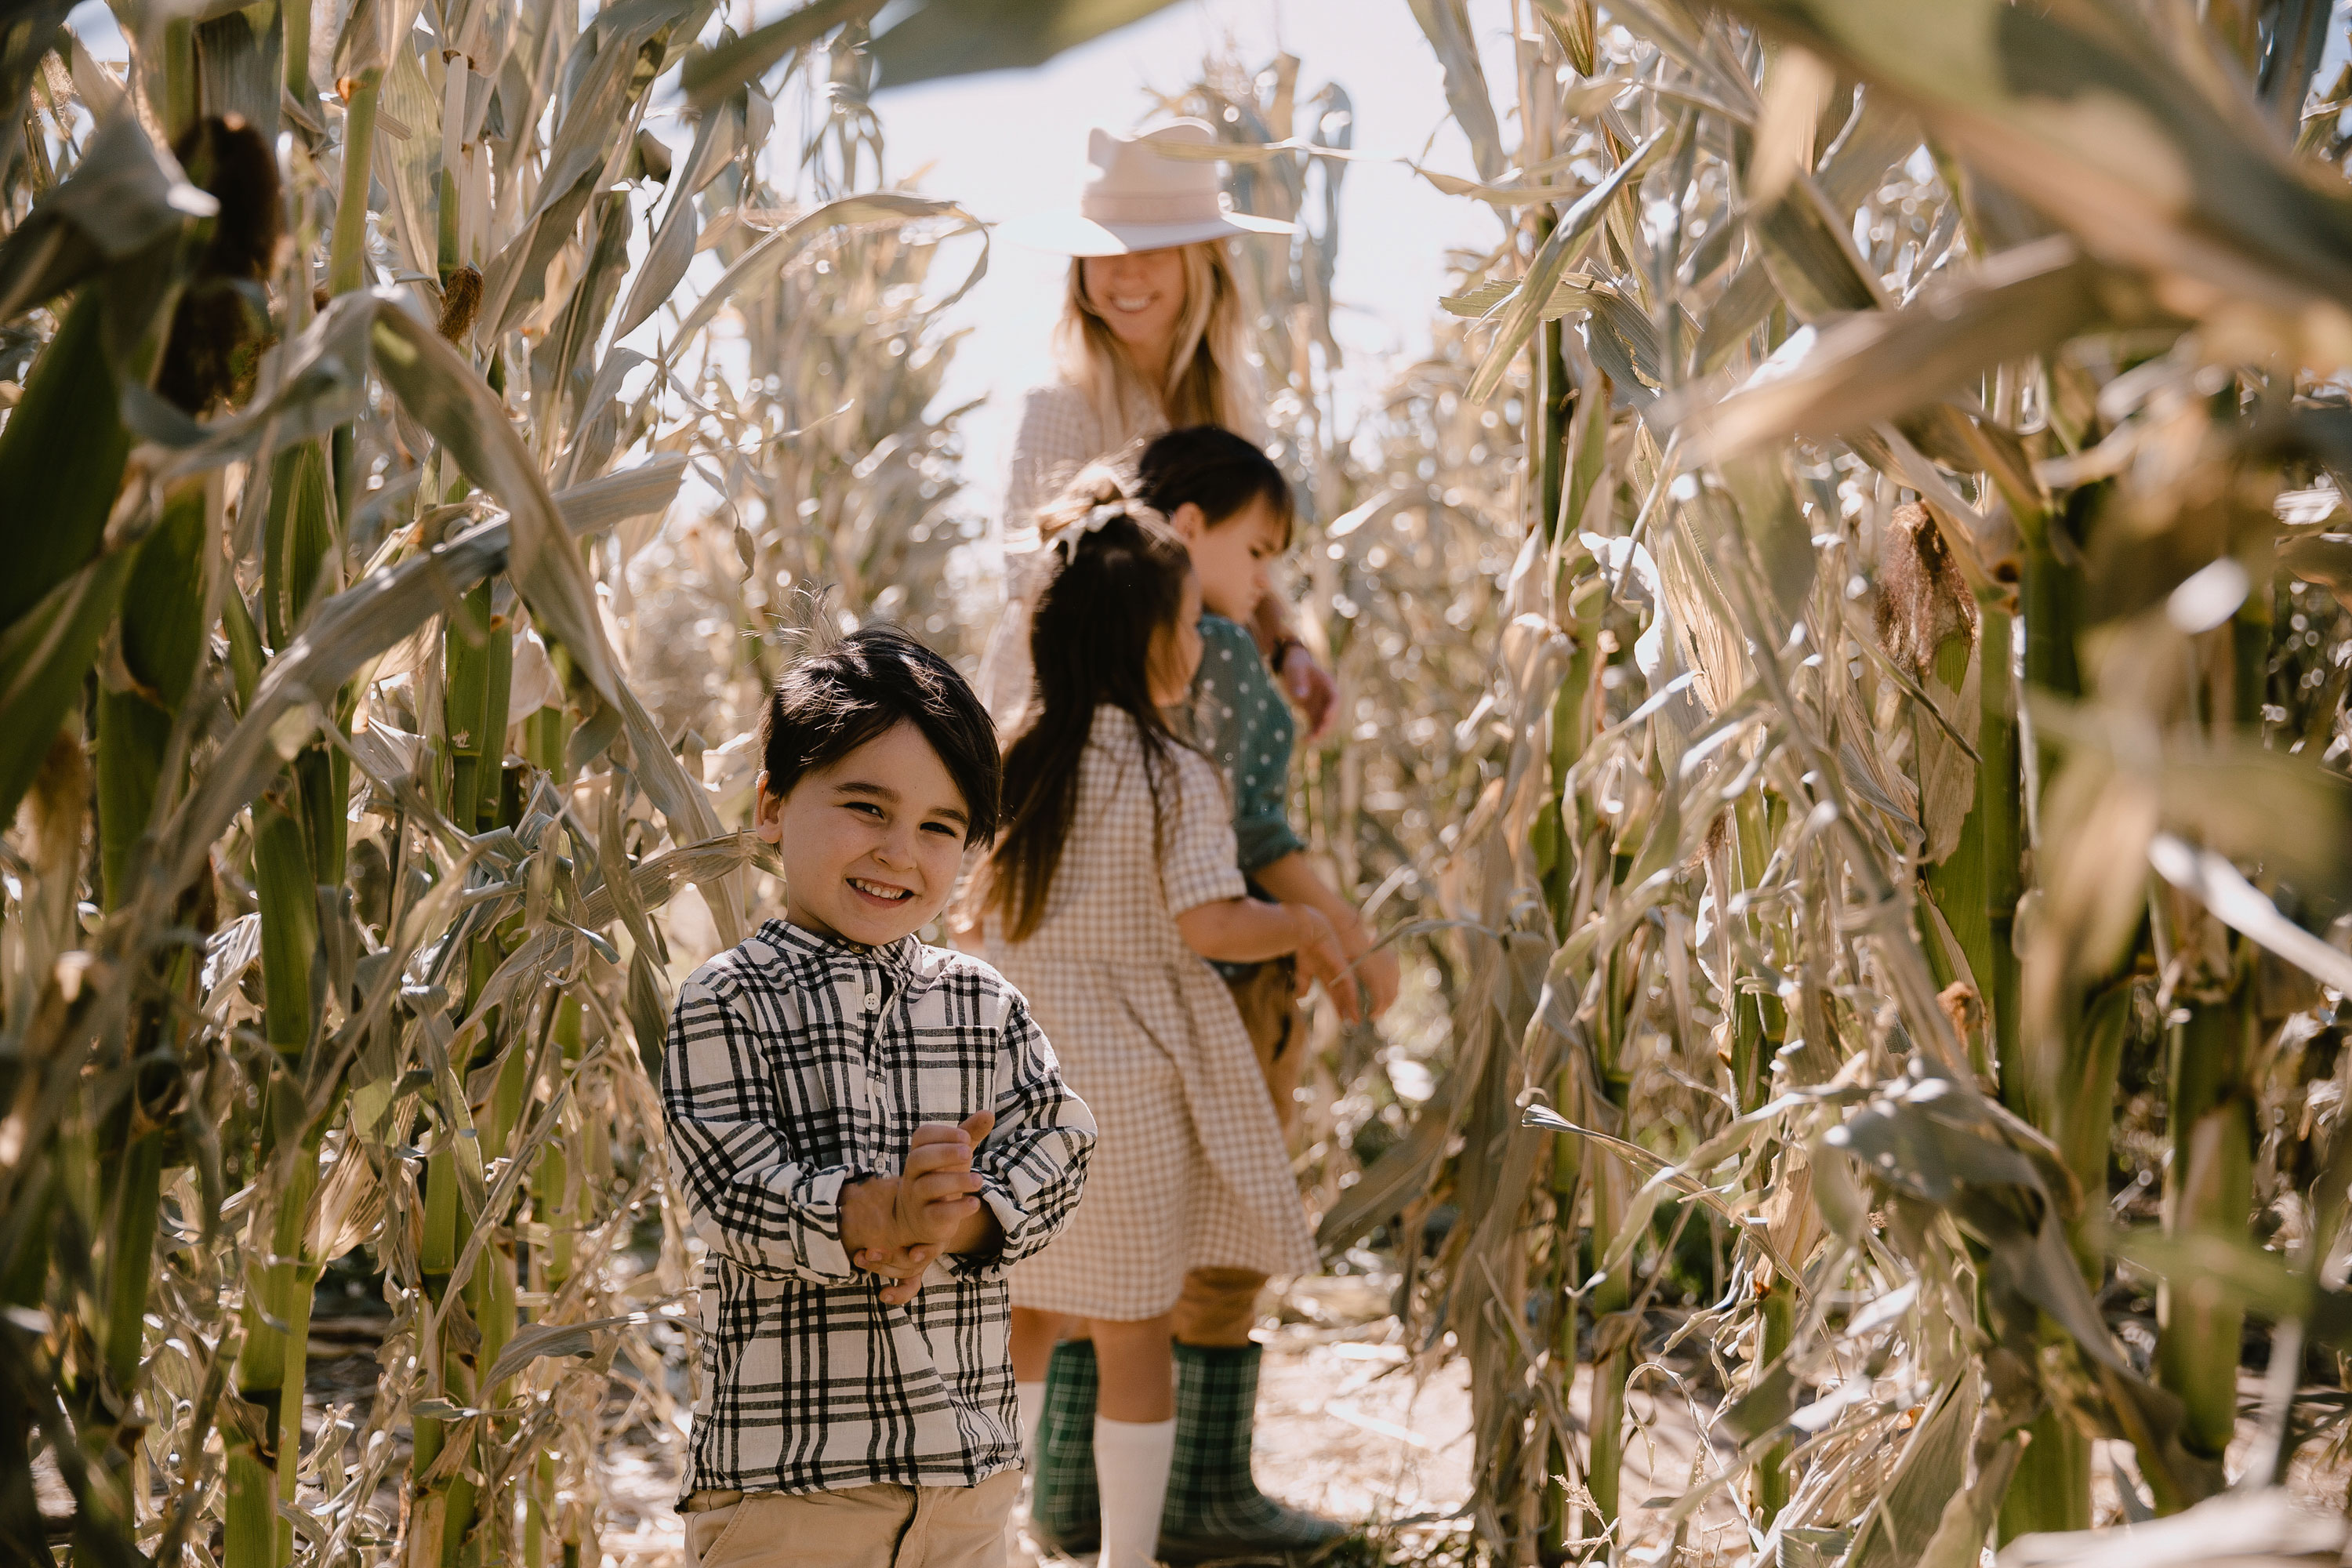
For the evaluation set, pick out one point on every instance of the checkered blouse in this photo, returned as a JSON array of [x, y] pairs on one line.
[[794, 1062]]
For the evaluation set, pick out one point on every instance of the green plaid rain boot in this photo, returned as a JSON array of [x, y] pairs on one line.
[[1064, 1507], [1214, 1509]]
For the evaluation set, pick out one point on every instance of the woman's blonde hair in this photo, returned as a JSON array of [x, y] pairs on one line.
[[1210, 378]]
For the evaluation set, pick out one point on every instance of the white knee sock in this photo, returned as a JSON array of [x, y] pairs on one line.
[[1031, 1398], [1132, 1463]]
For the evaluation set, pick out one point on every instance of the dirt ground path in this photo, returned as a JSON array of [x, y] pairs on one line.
[[1344, 1428]]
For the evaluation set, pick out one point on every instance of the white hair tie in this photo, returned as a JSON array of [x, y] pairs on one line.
[[1107, 512]]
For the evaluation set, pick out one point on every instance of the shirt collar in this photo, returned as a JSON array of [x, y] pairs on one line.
[[829, 954]]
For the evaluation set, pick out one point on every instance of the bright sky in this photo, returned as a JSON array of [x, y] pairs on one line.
[[1010, 143], [1014, 141]]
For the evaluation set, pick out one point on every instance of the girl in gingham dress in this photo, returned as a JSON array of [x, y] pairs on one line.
[[1113, 884]]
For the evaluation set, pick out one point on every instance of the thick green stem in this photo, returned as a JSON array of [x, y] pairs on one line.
[[477, 661], [347, 251], [2051, 1488], [1774, 1333], [269, 1372], [1605, 1409], [449, 1500], [296, 14], [276, 1320], [287, 894], [2000, 802], [1556, 394], [1566, 1180], [2209, 1189], [131, 1258]]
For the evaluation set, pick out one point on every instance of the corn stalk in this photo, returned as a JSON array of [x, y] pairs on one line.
[[1921, 670], [331, 472]]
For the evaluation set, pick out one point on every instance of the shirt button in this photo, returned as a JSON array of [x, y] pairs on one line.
[[872, 1001]]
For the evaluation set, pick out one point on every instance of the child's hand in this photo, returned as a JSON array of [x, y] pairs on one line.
[[1310, 689], [936, 1188], [869, 1229], [904, 1268], [1320, 957], [1376, 967]]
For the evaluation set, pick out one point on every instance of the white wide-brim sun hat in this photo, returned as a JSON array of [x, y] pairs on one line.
[[1137, 197]]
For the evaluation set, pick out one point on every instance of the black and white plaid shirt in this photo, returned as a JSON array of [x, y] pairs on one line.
[[794, 1063]]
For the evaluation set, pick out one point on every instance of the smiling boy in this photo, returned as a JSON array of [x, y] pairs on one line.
[[869, 1131]]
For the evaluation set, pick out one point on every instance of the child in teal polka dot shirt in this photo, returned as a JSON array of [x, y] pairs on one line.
[[1233, 508]]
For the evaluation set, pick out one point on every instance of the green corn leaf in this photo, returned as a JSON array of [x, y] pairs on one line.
[[516, 274], [43, 655], [1887, 364], [607, 502], [1934, 1464], [2172, 172], [766, 259], [666, 263], [952, 38], [407, 162], [240, 64], [1809, 258], [61, 461], [1446, 25], [542, 1340], [287, 886], [711, 76], [1576, 226], [160, 638]]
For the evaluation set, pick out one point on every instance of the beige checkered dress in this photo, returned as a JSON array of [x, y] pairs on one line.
[[1189, 1170]]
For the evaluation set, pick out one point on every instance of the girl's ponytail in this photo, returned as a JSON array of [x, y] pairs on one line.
[[1115, 579]]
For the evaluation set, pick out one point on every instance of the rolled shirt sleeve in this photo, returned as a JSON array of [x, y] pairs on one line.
[[1033, 1164], [1200, 866], [752, 1202]]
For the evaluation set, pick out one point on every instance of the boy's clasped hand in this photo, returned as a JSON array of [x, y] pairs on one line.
[[898, 1226]]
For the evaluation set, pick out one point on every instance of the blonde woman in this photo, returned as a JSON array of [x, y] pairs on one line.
[[1152, 337]]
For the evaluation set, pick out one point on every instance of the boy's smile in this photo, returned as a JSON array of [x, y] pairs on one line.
[[872, 842]]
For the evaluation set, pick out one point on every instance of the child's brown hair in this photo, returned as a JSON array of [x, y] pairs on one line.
[[830, 703], [1209, 466]]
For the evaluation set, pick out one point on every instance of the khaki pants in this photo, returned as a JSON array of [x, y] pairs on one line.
[[881, 1526], [1219, 1306]]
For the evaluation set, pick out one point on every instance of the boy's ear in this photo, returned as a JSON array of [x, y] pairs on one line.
[[767, 811], [1188, 522]]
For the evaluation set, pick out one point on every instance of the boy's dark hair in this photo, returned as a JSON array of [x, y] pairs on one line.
[[830, 703], [1215, 470]]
